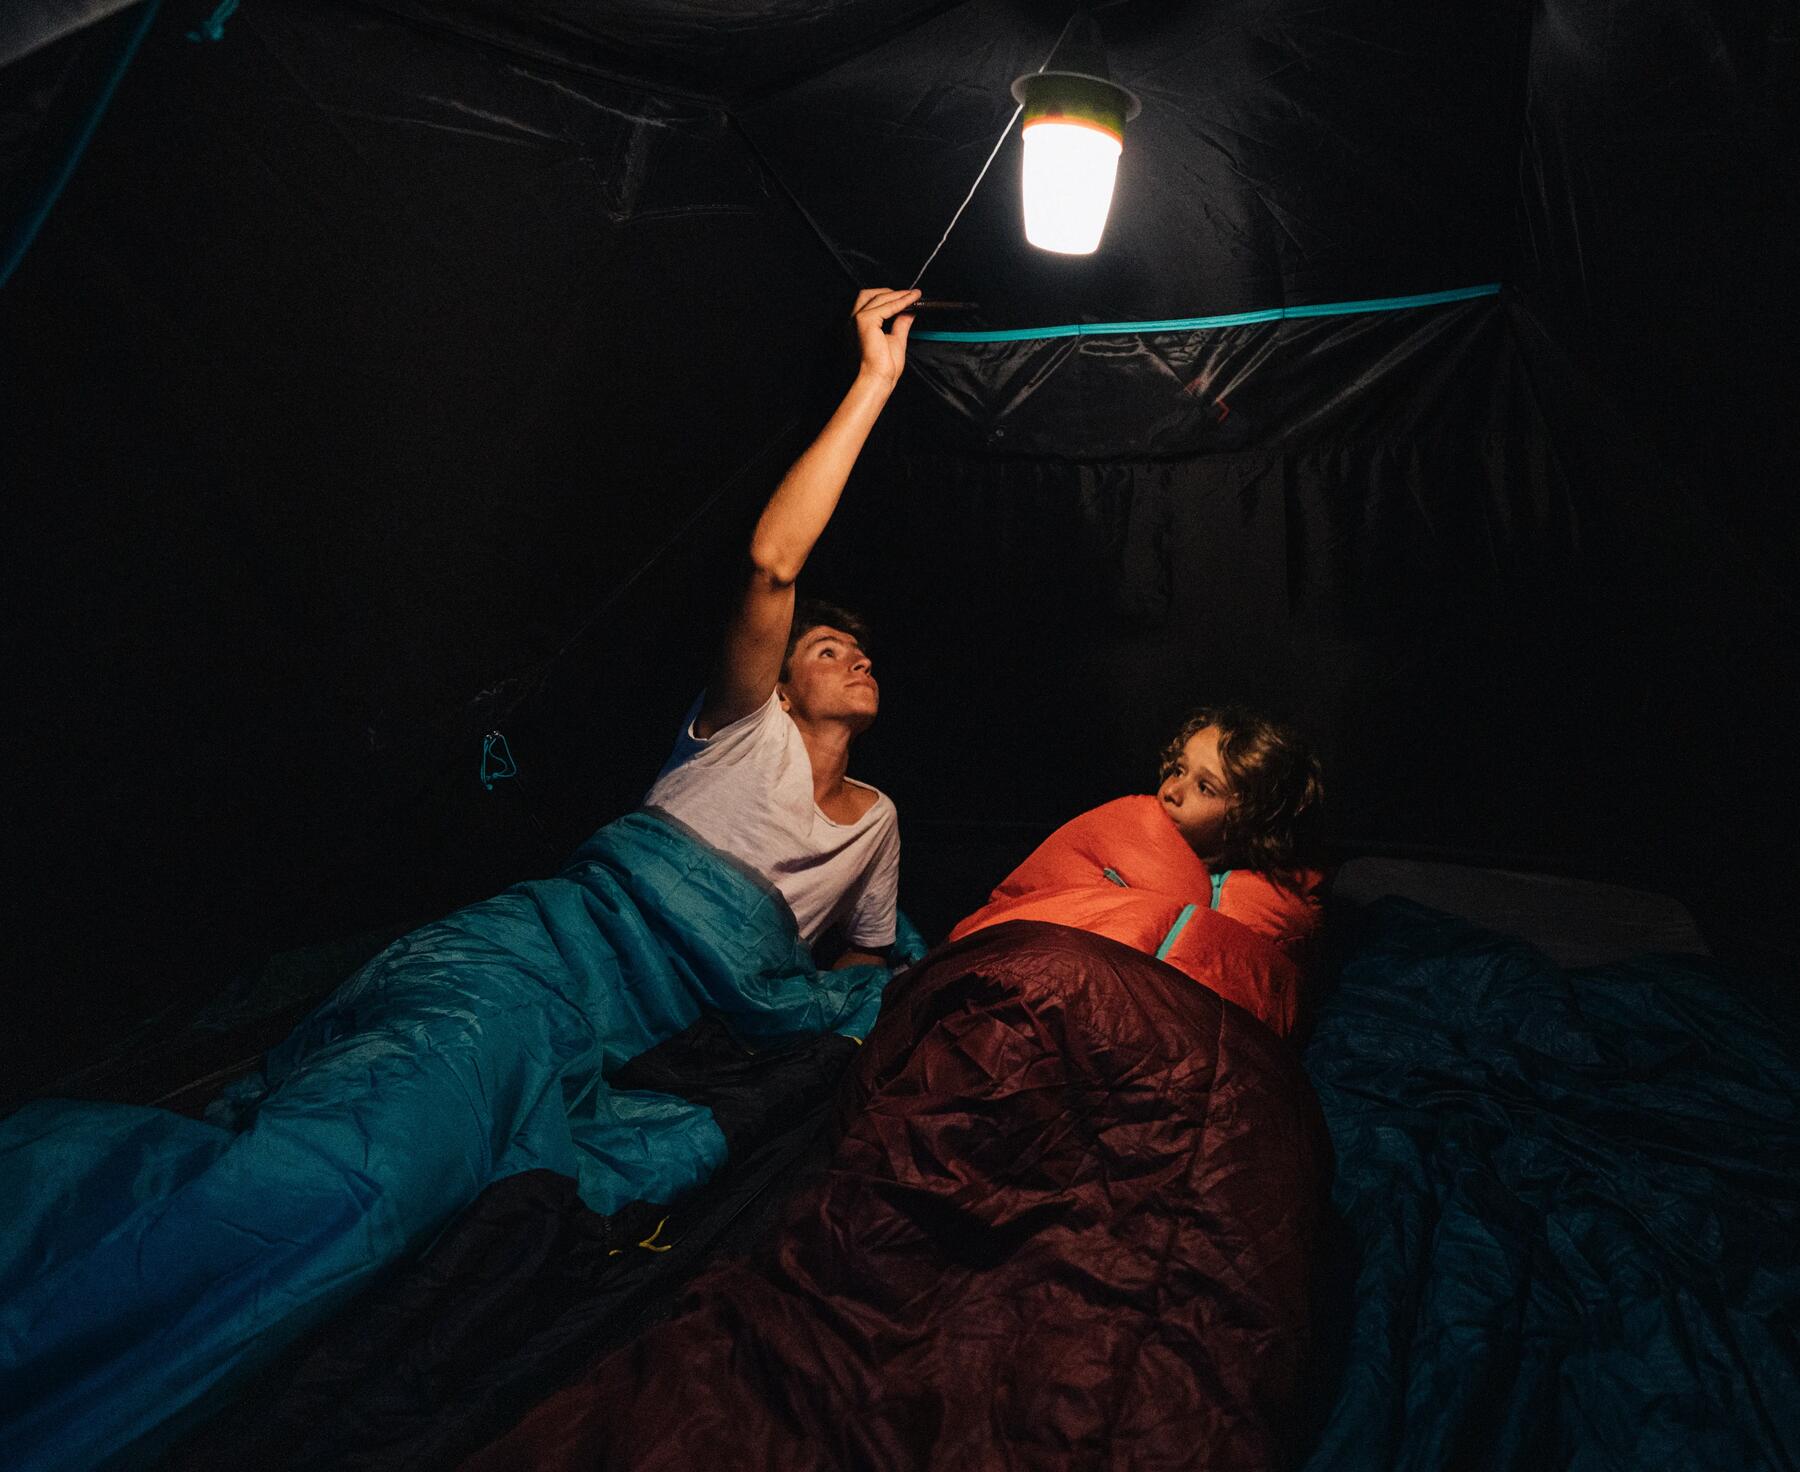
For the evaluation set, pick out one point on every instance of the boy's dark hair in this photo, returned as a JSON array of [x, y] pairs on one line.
[[1278, 787], [810, 613]]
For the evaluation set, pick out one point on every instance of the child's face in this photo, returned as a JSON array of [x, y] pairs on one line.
[[1195, 795]]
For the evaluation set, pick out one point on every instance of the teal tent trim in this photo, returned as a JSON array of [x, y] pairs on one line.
[[19, 241], [1227, 319]]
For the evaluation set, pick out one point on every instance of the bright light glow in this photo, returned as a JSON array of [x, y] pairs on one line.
[[1069, 172]]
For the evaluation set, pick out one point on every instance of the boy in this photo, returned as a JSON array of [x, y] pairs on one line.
[[760, 770]]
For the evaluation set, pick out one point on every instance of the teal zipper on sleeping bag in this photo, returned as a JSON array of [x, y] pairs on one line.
[[1175, 930], [1181, 920]]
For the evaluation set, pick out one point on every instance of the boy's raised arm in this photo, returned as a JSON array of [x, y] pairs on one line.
[[756, 638]]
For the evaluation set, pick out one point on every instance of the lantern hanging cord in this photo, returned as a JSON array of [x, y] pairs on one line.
[[993, 154]]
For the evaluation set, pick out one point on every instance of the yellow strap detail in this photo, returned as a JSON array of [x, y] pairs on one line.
[[651, 1242]]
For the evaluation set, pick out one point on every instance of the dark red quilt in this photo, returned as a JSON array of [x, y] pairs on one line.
[[1068, 1222]]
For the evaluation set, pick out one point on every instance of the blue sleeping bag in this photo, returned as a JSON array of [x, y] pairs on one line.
[[1568, 1208], [149, 1260]]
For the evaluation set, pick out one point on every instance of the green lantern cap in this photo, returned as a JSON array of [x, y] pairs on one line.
[[1076, 84], [1070, 97]]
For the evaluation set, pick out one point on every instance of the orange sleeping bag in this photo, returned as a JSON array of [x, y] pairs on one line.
[[1122, 870]]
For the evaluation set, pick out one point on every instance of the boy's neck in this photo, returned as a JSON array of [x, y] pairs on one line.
[[828, 749]]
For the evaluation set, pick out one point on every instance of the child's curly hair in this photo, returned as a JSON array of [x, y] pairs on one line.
[[1278, 788]]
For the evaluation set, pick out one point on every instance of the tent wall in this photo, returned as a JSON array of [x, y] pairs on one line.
[[388, 376], [356, 367], [1656, 240]]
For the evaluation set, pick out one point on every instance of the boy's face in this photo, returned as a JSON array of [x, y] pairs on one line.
[[830, 678], [1196, 796]]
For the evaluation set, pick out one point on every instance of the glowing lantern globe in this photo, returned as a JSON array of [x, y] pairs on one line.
[[1074, 132]]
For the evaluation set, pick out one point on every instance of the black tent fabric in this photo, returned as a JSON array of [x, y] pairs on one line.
[[390, 387], [371, 360], [32, 26]]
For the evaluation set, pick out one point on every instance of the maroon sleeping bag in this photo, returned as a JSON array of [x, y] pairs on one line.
[[1068, 1222]]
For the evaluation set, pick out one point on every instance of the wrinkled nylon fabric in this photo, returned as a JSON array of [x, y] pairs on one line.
[[1067, 1222], [527, 1286], [150, 1257], [1568, 1210], [1188, 391]]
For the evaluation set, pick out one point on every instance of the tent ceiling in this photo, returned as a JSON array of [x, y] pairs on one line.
[[30, 25], [714, 49], [1280, 157]]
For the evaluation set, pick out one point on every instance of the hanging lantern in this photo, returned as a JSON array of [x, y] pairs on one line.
[[1074, 132]]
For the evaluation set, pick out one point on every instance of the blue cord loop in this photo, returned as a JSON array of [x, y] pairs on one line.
[[213, 27], [497, 762]]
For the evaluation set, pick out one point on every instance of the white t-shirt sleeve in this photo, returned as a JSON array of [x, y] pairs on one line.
[[872, 923], [727, 746]]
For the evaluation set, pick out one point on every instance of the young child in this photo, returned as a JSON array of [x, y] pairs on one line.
[[1245, 791], [1217, 873]]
